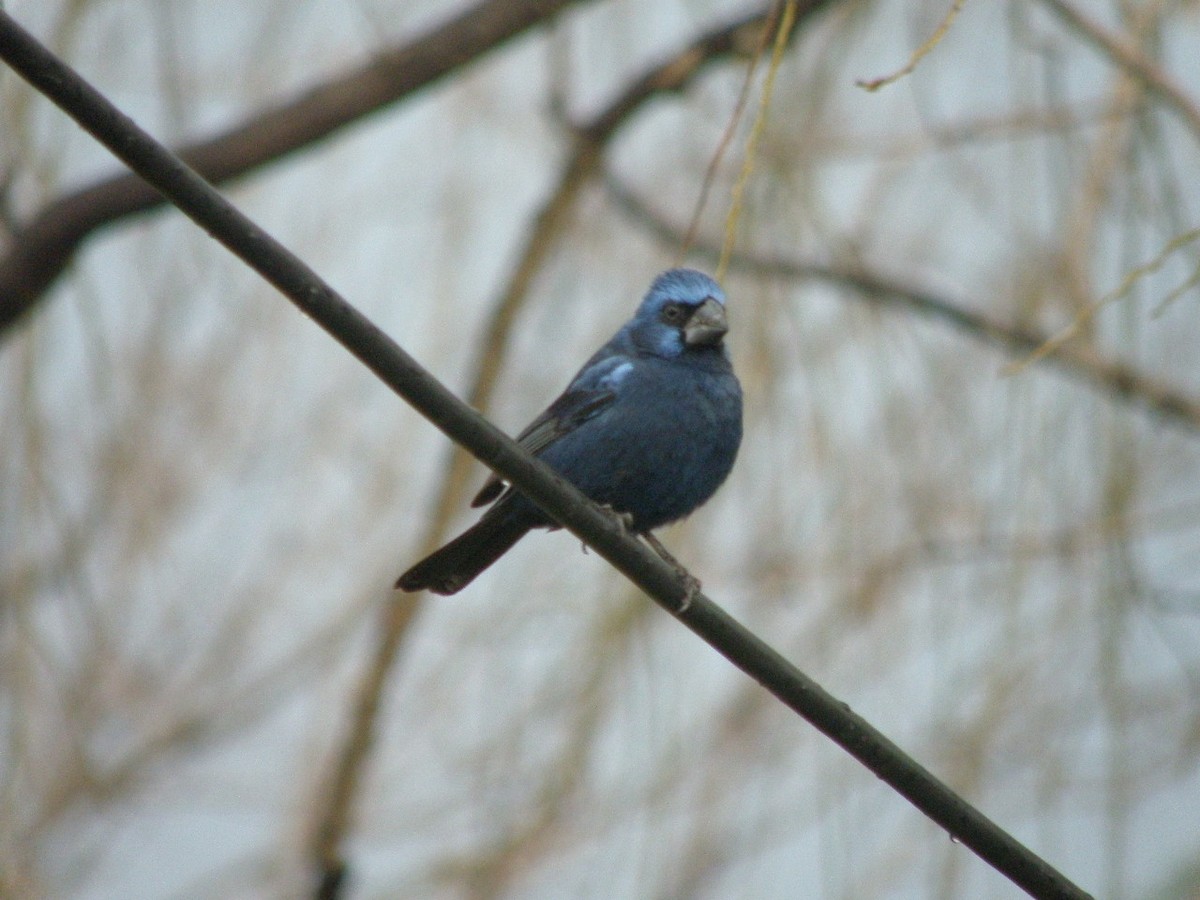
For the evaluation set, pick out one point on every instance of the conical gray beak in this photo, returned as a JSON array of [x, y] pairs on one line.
[[707, 325]]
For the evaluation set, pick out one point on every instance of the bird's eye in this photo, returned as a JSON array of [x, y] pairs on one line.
[[673, 313]]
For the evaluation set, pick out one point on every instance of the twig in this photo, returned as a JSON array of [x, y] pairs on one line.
[[738, 194], [874, 84]]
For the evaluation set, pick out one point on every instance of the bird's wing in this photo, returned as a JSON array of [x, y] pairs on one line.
[[592, 390]]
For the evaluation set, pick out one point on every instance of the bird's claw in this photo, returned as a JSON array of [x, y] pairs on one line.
[[624, 519], [691, 584], [691, 589]]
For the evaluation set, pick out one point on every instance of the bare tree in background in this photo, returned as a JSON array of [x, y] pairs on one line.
[[964, 311]]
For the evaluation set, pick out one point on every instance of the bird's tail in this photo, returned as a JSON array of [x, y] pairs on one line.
[[452, 568]]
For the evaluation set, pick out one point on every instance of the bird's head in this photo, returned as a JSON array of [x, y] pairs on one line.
[[683, 310]]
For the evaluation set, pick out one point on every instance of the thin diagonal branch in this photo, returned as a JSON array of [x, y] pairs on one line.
[[566, 505], [42, 248]]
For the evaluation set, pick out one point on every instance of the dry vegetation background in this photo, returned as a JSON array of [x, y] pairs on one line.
[[204, 501]]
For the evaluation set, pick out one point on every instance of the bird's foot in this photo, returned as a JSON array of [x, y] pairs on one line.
[[624, 521], [691, 583]]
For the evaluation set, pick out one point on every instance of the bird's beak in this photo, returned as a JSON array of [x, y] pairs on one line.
[[707, 325]]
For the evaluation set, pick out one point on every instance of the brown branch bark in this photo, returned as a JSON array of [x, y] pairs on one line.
[[334, 809], [41, 249]]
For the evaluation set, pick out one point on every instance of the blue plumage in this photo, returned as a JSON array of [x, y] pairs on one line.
[[650, 426]]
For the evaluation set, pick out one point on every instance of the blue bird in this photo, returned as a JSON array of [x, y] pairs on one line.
[[650, 427]]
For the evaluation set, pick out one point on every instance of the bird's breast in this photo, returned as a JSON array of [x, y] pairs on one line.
[[662, 449]]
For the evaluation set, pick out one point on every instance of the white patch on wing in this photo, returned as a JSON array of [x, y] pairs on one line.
[[617, 375]]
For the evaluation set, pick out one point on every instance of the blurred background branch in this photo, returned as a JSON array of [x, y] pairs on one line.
[[1120, 381], [37, 251], [1130, 59]]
